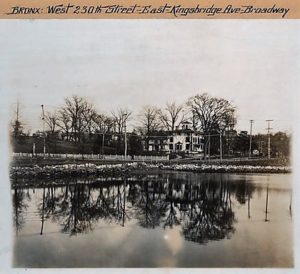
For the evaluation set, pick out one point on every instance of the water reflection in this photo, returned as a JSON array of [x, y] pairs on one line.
[[20, 199], [201, 208]]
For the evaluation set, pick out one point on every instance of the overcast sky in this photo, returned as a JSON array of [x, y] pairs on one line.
[[149, 62]]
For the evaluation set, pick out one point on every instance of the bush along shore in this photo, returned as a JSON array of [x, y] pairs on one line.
[[87, 169]]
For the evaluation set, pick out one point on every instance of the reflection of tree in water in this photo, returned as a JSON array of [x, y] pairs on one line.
[[78, 216], [173, 188], [71, 207], [202, 208], [87, 205], [20, 206], [50, 202], [78, 206], [150, 207], [210, 215]]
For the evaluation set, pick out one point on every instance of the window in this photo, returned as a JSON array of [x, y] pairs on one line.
[[187, 146], [178, 146], [187, 139], [171, 146], [171, 139]]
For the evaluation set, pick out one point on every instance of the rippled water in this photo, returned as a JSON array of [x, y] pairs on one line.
[[159, 220]]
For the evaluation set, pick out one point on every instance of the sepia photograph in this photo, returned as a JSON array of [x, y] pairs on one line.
[[150, 143]]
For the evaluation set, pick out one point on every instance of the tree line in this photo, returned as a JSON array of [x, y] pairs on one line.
[[78, 121]]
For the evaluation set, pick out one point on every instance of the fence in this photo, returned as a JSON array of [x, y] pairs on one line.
[[90, 157]]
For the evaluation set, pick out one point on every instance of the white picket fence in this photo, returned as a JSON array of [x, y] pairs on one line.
[[91, 156]]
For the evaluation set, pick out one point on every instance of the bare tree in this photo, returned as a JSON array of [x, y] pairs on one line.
[[51, 120], [211, 114], [120, 118], [80, 112], [102, 123], [65, 123], [171, 116], [149, 120]]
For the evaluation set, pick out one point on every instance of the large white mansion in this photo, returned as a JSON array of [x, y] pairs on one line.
[[182, 140]]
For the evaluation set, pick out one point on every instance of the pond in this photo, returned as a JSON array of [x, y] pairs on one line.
[[168, 219]]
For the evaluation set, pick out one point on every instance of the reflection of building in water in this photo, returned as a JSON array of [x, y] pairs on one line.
[[203, 209]]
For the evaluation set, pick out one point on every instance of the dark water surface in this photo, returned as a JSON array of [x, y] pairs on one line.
[[160, 220]]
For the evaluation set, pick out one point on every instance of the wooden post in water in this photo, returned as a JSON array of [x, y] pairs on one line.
[[267, 201]]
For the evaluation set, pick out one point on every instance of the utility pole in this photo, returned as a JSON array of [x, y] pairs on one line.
[[250, 145], [101, 145], [269, 138], [43, 118], [125, 137], [103, 138]]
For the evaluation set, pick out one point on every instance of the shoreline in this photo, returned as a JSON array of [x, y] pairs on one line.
[[125, 169]]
